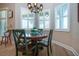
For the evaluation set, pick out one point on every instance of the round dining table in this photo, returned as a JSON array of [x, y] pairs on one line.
[[36, 37]]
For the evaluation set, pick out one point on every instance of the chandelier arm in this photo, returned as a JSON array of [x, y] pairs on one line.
[[35, 7]]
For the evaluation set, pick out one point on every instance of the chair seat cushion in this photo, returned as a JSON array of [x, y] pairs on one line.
[[43, 42]]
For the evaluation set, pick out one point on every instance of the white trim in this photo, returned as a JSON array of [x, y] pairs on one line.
[[67, 47]]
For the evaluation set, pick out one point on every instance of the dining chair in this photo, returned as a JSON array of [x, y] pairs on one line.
[[6, 38], [21, 44], [47, 43]]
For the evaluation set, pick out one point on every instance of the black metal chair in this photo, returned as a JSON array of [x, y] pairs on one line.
[[21, 44], [47, 43], [6, 37]]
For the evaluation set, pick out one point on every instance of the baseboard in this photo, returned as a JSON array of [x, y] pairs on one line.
[[67, 47]]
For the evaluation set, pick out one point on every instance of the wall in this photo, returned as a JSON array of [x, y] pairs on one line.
[[75, 27]]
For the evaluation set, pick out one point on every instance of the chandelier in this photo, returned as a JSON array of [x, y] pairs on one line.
[[35, 7]]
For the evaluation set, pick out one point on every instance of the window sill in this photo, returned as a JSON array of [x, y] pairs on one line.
[[57, 30]]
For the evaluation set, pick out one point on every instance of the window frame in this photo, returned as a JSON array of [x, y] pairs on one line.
[[63, 30]]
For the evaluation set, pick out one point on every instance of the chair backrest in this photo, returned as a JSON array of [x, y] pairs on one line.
[[7, 33], [50, 36], [17, 37]]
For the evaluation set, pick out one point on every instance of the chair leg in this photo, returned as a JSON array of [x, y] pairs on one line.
[[36, 50], [33, 52], [10, 40], [16, 52], [2, 40], [6, 41], [51, 48], [48, 50]]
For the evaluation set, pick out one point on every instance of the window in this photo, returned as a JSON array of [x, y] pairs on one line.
[[44, 19], [62, 17], [27, 19], [3, 22]]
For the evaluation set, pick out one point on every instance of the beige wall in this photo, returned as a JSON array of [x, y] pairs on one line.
[[63, 37], [70, 38], [75, 27]]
